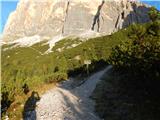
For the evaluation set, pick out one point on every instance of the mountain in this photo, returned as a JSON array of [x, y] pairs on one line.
[[50, 19]]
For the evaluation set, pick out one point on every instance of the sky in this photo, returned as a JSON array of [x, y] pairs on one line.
[[7, 6]]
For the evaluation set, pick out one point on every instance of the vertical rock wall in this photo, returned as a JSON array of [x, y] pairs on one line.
[[50, 18]]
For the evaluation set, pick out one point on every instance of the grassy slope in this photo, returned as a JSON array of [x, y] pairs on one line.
[[24, 65]]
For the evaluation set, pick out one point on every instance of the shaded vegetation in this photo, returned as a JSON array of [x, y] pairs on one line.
[[123, 97], [131, 90], [139, 56]]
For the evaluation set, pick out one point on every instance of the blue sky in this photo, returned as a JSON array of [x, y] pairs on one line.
[[7, 6]]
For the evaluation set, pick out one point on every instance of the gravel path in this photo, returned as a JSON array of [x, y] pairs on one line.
[[66, 102]]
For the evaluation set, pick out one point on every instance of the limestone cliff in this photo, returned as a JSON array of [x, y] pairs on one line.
[[50, 18]]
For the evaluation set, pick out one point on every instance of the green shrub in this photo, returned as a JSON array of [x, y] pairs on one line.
[[130, 91], [56, 77], [154, 14], [140, 55]]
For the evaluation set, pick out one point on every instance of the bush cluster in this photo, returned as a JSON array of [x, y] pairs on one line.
[[141, 54]]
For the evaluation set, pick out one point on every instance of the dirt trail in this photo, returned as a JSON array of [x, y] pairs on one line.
[[66, 102]]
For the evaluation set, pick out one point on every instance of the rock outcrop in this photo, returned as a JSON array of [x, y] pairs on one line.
[[50, 18]]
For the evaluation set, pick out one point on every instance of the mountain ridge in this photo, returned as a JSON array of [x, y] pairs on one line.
[[66, 18]]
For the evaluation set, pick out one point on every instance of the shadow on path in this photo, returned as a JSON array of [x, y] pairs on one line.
[[29, 112]]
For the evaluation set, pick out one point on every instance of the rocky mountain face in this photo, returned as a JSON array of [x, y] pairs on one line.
[[51, 18]]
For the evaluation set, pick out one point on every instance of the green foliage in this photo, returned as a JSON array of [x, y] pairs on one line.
[[154, 28], [140, 55], [130, 91], [154, 14], [56, 77]]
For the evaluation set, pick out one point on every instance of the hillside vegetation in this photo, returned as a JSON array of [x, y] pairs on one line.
[[23, 68]]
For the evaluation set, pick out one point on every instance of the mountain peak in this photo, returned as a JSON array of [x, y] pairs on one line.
[[52, 18]]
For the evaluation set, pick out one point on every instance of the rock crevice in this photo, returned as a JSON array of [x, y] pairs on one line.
[[96, 19], [66, 14]]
